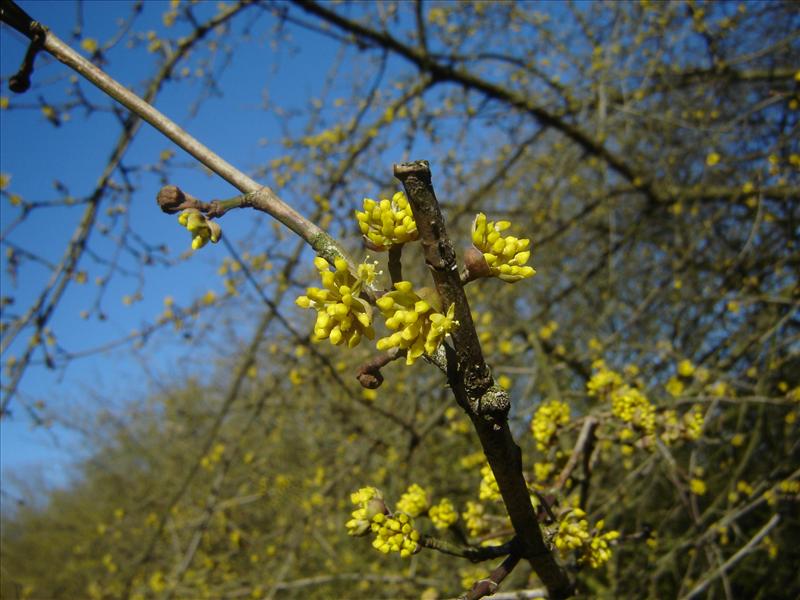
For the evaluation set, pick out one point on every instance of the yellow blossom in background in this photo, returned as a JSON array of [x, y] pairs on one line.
[[475, 519], [505, 256], [414, 501], [443, 515], [387, 223], [675, 386], [693, 423], [342, 316], [631, 406], [542, 471], [5, 179], [90, 45], [697, 487], [789, 486], [4, 101], [546, 331], [488, 488], [157, 582], [418, 327], [574, 535], [685, 368], [470, 461], [603, 381], [471, 574], [712, 159], [548, 418]]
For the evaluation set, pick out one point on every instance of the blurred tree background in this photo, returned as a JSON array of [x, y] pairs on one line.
[[651, 152]]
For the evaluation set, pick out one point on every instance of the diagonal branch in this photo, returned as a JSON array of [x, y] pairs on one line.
[[470, 378]]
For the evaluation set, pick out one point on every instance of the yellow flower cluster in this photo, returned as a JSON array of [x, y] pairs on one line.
[[443, 514], [693, 423], [342, 317], [543, 470], [690, 427], [789, 486], [414, 501], [505, 256], [548, 418], [387, 223], [574, 534], [603, 381], [686, 368], [631, 406], [489, 489], [743, 489], [370, 503], [474, 518], [698, 487], [201, 228], [418, 327], [395, 534]]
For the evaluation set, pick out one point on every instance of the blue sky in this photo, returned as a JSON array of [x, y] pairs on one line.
[[36, 154]]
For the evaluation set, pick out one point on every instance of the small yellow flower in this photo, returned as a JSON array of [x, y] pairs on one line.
[[202, 229], [489, 489], [712, 159], [476, 521], [504, 381], [90, 45], [631, 406], [542, 471], [342, 316], [693, 423], [414, 501], [546, 332], [574, 535], [369, 502], [387, 223], [685, 368], [443, 515], [603, 381], [697, 487], [675, 386], [548, 418], [395, 534], [419, 328], [505, 256]]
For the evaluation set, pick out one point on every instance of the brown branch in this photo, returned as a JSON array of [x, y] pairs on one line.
[[583, 446], [487, 587], [395, 264], [486, 403], [369, 374], [267, 200], [473, 553]]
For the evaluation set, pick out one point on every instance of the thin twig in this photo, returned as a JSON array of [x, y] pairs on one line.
[[728, 564]]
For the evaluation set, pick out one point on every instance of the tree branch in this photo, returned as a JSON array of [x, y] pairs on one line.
[[486, 403]]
